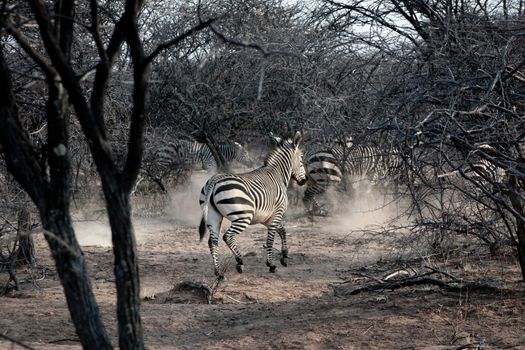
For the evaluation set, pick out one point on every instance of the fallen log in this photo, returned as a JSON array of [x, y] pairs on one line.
[[455, 286]]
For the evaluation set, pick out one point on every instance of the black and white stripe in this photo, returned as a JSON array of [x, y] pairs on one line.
[[198, 155], [333, 166], [479, 169], [487, 171], [256, 197], [484, 175]]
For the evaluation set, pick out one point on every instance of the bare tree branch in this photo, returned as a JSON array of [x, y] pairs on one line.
[[175, 41]]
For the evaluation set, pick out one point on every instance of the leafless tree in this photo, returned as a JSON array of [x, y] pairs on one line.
[[448, 78], [47, 37]]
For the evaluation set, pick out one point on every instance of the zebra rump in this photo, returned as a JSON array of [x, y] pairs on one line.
[[333, 166]]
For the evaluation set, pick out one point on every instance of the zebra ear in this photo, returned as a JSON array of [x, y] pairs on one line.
[[297, 138], [276, 138]]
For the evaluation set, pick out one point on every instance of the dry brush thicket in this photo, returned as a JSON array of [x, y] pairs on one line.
[[442, 79]]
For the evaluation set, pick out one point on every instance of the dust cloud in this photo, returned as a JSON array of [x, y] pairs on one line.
[[90, 222], [93, 233], [183, 206], [180, 208], [371, 223], [363, 207], [367, 208]]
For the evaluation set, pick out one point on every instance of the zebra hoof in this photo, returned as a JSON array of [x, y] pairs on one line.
[[273, 269], [284, 261], [240, 268]]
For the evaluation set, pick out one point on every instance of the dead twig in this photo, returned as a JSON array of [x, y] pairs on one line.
[[361, 274], [213, 289], [454, 286], [234, 300], [14, 341], [449, 275]]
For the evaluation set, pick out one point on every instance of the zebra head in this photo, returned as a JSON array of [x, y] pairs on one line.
[[348, 141], [298, 172]]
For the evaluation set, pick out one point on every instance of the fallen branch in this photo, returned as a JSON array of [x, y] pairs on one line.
[[213, 289], [193, 285], [456, 286], [14, 341], [234, 300]]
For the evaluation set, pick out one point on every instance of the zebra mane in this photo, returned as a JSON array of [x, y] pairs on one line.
[[285, 146]]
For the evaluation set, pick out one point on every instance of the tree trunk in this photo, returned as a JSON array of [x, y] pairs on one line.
[[520, 232], [26, 253], [71, 267], [222, 166], [49, 189], [517, 204], [125, 265]]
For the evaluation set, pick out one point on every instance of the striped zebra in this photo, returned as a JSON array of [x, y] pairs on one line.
[[479, 170], [199, 155], [338, 164], [485, 170], [256, 197], [485, 174]]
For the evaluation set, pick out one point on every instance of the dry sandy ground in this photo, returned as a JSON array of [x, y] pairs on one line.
[[295, 308]]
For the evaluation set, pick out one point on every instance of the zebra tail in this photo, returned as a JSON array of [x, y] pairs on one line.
[[202, 226]]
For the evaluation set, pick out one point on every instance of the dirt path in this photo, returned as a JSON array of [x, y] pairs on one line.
[[292, 309]]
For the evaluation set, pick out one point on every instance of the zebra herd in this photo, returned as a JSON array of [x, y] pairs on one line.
[[329, 167], [260, 196]]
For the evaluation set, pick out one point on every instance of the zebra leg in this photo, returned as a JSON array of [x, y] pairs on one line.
[[269, 250], [307, 199], [318, 209], [274, 227], [213, 243], [229, 237], [214, 227], [284, 250], [310, 202]]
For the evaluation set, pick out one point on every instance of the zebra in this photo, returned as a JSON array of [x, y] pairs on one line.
[[256, 197], [485, 174], [174, 161], [336, 165], [481, 171], [484, 169], [199, 155]]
